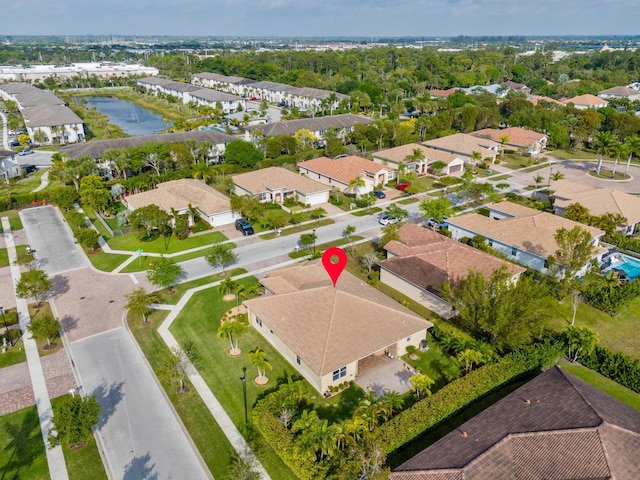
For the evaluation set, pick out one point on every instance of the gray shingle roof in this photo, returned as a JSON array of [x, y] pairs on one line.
[[29, 96], [554, 427], [213, 95], [289, 127], [49, 116], [97, 149]]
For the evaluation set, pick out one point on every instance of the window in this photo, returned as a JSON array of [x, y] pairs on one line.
[[258, 321], [338, 374], [514, 251], [546, 264], [298, 360], [490, 243]]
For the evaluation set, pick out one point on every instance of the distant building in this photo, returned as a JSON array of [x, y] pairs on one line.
[[586, 102], [620, 92], [35, 73], [9, 166], [464, 145], [395, 156], [532, 142], [343, 125]]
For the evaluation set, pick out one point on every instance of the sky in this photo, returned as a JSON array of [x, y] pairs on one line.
[[303, 18]]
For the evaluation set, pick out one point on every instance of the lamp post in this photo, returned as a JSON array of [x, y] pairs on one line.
[[550, 174], [314, 240], [244, 393]]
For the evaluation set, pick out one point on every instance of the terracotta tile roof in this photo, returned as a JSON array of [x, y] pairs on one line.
[[535, 99], [276, 178], [465, 145], [516, 86], [331, 327], [553, 427], [400, 154], [427, 259], [531, 230], [599, 201], [520, 137], [344, 169], [178, 194], [586, 100], [442, 93]]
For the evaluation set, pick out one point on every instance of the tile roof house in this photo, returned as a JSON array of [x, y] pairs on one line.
[[517, 87], [435, 93], [325, 331], [421, 260], [276, 184], [532, 142], [523, 234], [464, 145], [214, 207], [339, 172], [585, 102], [599, 201], [553, 427], [620, 92], [536, 99], [396, 155], [343, 124]]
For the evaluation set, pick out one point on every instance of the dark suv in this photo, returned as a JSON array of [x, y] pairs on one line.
[[244, 227]]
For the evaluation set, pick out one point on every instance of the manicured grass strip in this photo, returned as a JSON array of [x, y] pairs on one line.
[[322, 247], [601, 382], [368, 211], [14, 220], [142, 264], [13, 356], [300, 228], [107, 262], [83, 464], [408, 201], [22, 450], [202, 427], [198, 322], [180, 289], [131, 243]]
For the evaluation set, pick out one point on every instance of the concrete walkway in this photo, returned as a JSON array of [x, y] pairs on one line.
[[44, 182], [55, 457]]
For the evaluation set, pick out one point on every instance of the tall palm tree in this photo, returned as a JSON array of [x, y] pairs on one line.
[[139, 303], [603, 143], [232, 330], [258, 359], [355, 185], [391, 403], [239, 291], [203, 171], [370, 410], [633, 148], [476, 157], [618, 150], [325, 436], [356, 429]]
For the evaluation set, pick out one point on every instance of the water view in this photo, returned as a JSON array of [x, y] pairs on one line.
[[133, 120]]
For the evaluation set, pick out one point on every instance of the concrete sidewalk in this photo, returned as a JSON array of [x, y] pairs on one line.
[[55, 457]]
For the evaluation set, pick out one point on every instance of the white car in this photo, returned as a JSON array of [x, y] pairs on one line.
[[387, 220]]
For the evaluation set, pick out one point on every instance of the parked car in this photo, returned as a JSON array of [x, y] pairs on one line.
[[28, 168], [25, 151], [433, 223], [387, 220], [379, 194], [243, 226], [253, 99], [14, 143], [403, 186]]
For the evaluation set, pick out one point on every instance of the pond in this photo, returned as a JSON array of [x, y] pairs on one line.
[[131, 118]]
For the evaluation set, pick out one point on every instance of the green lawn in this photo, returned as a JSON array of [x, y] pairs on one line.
[[425, 183], [408, 201], [83, 464], [198, 322], [106, 262], [573, 155], [608, 386], [13, 355], [366, 211], [22, 450], [4, 254], [180, 289], [141, 264], [203, 429], [619, 333], [131, 243], [298, 229], [605, 174], [303, 252], [14, 220], [433, 363]]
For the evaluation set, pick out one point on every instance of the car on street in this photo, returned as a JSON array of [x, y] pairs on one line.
[[26, 151], [14, 143], [29, 168], [243, 226], [433, 223], [387, 220], [379, 194], [403, 186]]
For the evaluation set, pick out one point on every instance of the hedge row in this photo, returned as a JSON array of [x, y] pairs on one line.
[[456, 395], [18, 200], [617, 366], [614, 300], [280, 439], [443, 329]]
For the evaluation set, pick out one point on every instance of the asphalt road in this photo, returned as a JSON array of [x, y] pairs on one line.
[[141, 435], [49, 235]]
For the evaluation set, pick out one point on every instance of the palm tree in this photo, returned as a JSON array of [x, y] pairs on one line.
[[476, 157], [325, 437], [239, 291], [421, 385], [232, 330], [603, 143], [391, 403], [203, 171], [139, 303], [227, 286], [258, 359], [370, 410], [557, 176], [469, 357], [580, 340], [356, 429], [633, 148], [618, 150], [355, 185]]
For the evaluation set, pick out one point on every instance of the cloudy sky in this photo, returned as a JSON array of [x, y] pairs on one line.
[[320, 17]]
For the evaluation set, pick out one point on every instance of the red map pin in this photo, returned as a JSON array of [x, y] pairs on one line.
[[334, 269]]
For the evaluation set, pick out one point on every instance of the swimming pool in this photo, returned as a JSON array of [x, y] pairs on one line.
[[630, 266]]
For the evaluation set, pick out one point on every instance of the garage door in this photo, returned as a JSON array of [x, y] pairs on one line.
[[455, 168]]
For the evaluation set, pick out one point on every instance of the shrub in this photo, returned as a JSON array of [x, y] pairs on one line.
[[614, 300], [617, 366]]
